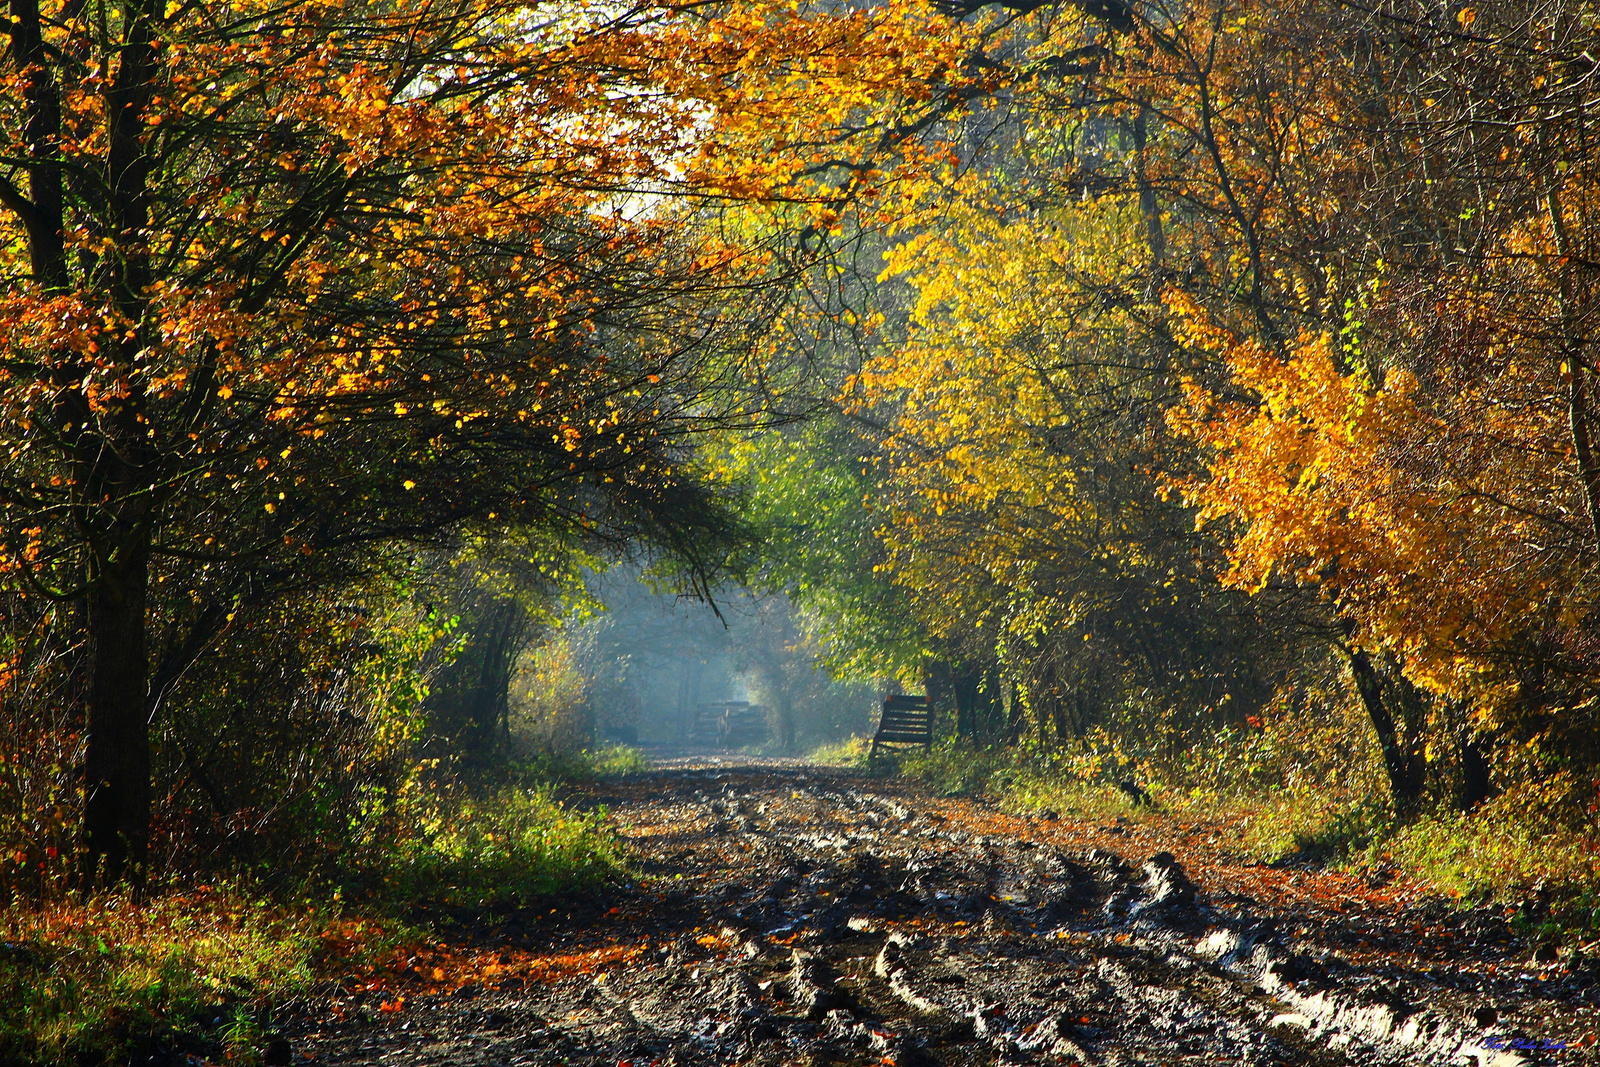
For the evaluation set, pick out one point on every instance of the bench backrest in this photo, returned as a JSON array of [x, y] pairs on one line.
[[905, 719]]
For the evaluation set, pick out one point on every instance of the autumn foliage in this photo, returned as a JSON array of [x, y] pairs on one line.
[[1244, 350], [288, 288], [1127, 375]]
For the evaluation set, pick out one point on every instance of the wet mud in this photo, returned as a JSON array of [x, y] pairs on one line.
[[792, 915]]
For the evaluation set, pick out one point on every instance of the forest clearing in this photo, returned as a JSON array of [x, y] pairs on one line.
[[438, 439]]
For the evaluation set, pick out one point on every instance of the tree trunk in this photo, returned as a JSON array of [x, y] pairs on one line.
[[116, 820], [936, 684], [1149, 204], [489, 704], [784, 706], [1402, 757], [1015, 712], [118, 480], [1061, 720], [980, 714], [1575, 369], [964, 685], [1475, 784]]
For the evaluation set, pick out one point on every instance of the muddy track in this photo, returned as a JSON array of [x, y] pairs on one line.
[[799, 916]]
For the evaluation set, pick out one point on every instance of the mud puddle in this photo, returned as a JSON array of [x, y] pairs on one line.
[[793, 915]]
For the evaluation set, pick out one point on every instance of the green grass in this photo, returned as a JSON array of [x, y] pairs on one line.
[[583, 765], [851, 752], [951, 770], [512, 846], [84, 983], [1332, 827], [619, 760], [1035, 791], [1498, 853]]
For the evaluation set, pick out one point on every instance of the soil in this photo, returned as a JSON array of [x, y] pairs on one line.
[[793, 914]]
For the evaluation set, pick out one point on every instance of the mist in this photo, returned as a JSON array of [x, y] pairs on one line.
[[669, 673]]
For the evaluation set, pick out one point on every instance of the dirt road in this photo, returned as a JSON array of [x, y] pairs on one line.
[[800, 915]]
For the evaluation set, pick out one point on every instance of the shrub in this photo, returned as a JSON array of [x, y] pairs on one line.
[[851, 752], [510, 846], [1500, 851], [956, 768], [556, 766]]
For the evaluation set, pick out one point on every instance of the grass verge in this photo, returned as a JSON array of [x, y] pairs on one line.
[[584, 765], [510, 847], [94, 982], [1509, 851], [851, 752], [195, 973]]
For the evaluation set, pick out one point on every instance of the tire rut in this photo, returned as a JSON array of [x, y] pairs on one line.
[[808, 918]]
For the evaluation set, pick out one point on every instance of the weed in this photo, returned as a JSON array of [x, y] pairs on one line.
[[1496, 852], [80, 982], [956, 769], [851, 752], [241, 1036], [1042, 791], [510, 846], [619, 760]]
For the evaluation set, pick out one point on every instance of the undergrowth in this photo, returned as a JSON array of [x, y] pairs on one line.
[[88, 982], [851, 752], [1509, 850], [509, 847], [96, 982], [582, 765]]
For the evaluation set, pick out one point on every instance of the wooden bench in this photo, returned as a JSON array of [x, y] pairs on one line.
[[906, 720]]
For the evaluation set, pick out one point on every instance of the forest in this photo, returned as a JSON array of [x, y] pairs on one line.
[[1193, 398]]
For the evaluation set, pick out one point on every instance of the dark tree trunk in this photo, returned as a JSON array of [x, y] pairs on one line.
[[491, 702], [992, 708], [1013, 711], [1401, 744], [964, 686], [936, 684], [1061, 720], [980, 714], [470, 702], [783, 705], [1149, 205], [118, 480], [1575, 370], [1475, 784], [116, 821]]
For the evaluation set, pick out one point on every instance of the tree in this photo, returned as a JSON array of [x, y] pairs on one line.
[[287, 283], [1386, 211], [1022, 516], [1423, 517], [809, 494]]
